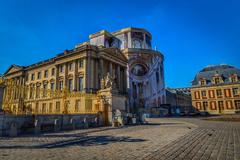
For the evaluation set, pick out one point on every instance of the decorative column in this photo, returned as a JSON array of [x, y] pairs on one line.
[[118, 77], [86, 74], [125, 79], [56, 77], [110, 68], [101, 68], [92, 79], [65, 75], [75, 75], [89, 72]]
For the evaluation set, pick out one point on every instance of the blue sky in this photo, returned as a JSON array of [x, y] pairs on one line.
[[190, 33]]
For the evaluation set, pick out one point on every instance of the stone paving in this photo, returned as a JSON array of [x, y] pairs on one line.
[[163, 138]]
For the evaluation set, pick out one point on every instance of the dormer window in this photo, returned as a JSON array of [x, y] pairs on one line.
[[217, 80], [203, 82], [233, 78]]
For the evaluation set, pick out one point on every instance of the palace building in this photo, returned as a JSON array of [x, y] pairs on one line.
[[94, 76], [216, 90], [145, 75]]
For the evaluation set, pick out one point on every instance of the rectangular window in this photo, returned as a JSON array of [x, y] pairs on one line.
[[198, 104], [211, 94], [205, 106], [39, 75], [229, 104], [53, 71], [38, 92], [235, 91], [80, 63], [220, 105], [70, 85], [52, 86], [31, 96], [70, 66], [33, 77], [219, 92], [197, 96], [204, 94], [237, 104], [80, 84], [58, 107], [61, 68], [227, 92], [213, 105], [46, 74], [61, 85], [44, 90]]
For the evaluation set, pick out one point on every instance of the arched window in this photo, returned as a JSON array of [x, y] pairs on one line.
[[157, 76], [137, 43]]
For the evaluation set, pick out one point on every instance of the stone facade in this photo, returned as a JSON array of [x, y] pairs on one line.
[[179, 100], [216, 90], [1, 93], [69, 83], [145, 75], [95, 76]]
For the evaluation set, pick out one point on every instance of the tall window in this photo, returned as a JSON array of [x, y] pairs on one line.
[[220, 105], [157, 77], [38, 91], [205, 106], [219, 92], [80, 63], [46, 74], [45, 90], [61, 68], [33, 77], [70, 66], [70, 85], [39, 75], [80, 84], [237, 104], [52, 86], [53, 72], [31, 92], [204, 94], [61, 85]]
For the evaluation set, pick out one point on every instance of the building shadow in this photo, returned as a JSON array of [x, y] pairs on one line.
[[80, 141]]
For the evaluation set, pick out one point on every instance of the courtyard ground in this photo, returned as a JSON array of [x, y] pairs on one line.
[[162, 138]]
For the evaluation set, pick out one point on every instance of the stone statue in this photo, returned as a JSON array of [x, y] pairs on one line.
[[107, 82]]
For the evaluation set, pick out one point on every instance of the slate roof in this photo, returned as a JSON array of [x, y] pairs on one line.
[[224, 70]]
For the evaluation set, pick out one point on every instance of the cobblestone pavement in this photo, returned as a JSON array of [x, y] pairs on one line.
[[163, 138]]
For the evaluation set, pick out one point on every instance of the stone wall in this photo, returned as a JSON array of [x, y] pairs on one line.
[[1, 97], [11, 125]]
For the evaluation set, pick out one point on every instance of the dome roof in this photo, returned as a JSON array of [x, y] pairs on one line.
[[224, 70]]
